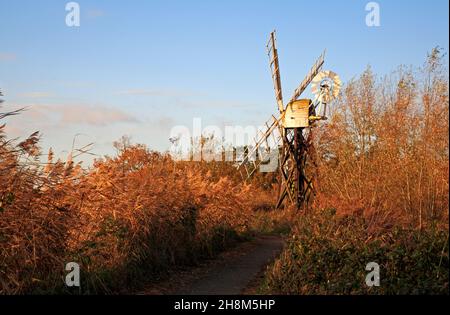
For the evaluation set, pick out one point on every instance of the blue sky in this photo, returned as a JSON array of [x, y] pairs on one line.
[[141, 67]]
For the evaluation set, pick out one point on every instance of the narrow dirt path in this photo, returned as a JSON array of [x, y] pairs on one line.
[[232, 272]]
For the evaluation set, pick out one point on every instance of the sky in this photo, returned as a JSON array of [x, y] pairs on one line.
[[139, 68]]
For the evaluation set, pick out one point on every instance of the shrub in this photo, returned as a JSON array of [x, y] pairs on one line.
[[327, 254]]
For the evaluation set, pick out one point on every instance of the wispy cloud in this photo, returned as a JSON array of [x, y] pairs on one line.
[[7, 56], [156, 92], [92, 115], [62, 115], [38, 94], [148, 92], [186, 98], [78, 84], [210, 103], [164, 122]]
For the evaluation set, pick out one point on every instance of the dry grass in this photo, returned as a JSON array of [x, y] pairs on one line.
[[382, 191], [384, 152], [139, 212]]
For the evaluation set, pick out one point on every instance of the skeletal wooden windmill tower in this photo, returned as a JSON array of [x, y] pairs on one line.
[[290, 131]]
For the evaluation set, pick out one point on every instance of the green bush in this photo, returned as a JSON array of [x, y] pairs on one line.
[[328, 255]]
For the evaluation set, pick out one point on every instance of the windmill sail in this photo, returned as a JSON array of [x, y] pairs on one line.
[[275, 70], [315, 69], [251, 159]]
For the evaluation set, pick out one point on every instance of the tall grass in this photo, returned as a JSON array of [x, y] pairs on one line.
[[132, 215], [382, 165], [384, 152]]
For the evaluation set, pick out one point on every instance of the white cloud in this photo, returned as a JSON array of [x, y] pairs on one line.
[[62, 115], [87, 114], [186, 98], [156, 92], [38, 94]]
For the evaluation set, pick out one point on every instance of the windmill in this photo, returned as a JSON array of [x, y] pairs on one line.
[[290, 131]]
